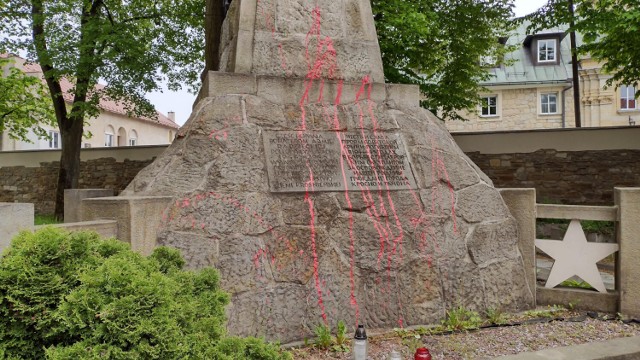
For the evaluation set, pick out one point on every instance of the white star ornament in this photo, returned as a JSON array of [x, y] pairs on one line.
[[575, 256]]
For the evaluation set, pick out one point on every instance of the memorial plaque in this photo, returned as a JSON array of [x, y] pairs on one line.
[[310, 161]]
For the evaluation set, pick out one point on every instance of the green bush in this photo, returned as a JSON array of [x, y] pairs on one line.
[[75, 296]]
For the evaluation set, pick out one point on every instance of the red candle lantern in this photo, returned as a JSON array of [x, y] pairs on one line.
[[422, 354]]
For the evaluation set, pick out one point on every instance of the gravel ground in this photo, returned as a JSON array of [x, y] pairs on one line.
[[491, 342]]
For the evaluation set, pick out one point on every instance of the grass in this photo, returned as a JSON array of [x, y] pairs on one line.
[[326, 341], [495, 316], [577, 284], [45, 220], [323, 337], [461, 318], [589, 226], [599, 227], [549, 312]]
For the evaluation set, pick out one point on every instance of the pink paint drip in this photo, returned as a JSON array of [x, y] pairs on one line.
[[321, 65], [323, 61], [269, 20], [439, 168], [353, 301], [189, 221]]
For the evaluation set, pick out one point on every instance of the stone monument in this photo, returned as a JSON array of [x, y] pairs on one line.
[[323, 194]]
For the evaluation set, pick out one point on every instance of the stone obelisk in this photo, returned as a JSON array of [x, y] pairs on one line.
[[323, 194]]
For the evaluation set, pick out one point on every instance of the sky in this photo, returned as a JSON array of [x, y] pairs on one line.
[[181, 102]]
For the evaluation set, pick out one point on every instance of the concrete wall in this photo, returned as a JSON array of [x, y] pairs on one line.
[[30, 176], [14, 218]]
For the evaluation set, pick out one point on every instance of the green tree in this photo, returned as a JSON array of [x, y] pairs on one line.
[[438, 45], [610, 31], [24, 103], [130, 45], [76, 296]]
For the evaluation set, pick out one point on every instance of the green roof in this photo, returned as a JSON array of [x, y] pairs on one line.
[[522, 71]]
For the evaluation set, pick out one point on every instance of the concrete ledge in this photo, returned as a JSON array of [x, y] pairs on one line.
[[14, 217], [570, 139], [522, 205], [406, 96], [628, 272], [580, 299], [570, 212], [288, 90], [105, 228], [616, 349], [73, 201], [138, 217]]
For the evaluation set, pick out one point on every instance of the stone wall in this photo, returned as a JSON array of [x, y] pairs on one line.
[[570, 166], [37, 185], [567, 177]]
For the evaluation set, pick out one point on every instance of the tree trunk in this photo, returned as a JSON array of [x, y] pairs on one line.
[[70, 124], [69, 172], [574, 68]]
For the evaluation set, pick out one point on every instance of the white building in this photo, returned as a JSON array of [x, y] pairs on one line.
[[111, 128]]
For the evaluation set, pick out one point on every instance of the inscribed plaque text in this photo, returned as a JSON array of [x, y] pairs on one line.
[[310, 161]]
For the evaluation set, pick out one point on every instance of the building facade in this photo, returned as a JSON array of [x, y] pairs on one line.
[[111, 128], [534, 89]]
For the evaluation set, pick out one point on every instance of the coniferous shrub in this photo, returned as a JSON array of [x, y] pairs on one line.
[[75, 296]]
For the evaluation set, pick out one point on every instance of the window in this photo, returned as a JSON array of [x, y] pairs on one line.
[[108, 140], [549, 103], [488, 61], [109, 136], [628, 98], [489, 106], [133, 138], [54, 139], [547, 50]]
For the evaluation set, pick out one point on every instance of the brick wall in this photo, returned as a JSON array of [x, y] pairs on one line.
[[566, 177], [37, 184]]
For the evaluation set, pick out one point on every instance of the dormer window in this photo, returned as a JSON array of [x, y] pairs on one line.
[[547, 50], [488, 61]]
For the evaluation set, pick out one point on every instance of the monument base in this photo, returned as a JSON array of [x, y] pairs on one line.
[[321, 201]]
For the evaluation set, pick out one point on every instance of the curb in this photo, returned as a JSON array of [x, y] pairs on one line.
[[617, 349]]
